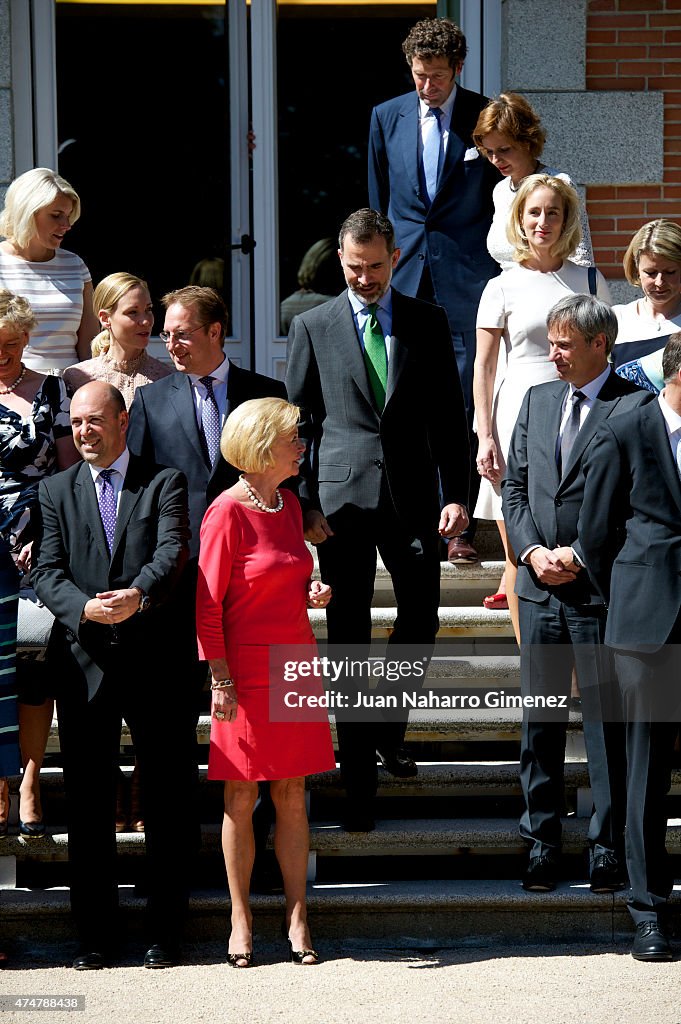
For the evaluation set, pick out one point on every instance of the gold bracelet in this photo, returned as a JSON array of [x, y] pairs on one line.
[[221, 684]]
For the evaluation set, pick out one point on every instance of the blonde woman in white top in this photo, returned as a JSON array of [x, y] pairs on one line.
[[544, 230], [40, 208]]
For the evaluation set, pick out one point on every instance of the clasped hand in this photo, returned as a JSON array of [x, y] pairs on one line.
[[554, 567], [112, 606], [318, 595]]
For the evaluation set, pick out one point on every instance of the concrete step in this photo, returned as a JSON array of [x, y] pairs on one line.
[[461, 726], [356, 916], [418, 837], [464, 622]]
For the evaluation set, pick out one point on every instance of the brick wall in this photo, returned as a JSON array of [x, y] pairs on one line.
[[635, 45]]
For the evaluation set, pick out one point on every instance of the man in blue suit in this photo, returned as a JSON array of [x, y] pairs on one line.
[[427, 176]]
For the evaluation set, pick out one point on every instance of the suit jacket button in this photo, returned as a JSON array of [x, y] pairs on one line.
[[421, 256], [558, 502], [378, 463]]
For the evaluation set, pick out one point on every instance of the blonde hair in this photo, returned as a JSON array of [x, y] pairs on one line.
[[106, 296], [571, 234], [251, 430], [28, 194], [658, 237], [16, 312]]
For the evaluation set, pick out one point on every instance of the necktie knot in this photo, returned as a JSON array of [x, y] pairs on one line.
[[208, 384], [106, 475], [577, 397], [437, 114]]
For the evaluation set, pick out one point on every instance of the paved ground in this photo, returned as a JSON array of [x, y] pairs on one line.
[[493, 985]]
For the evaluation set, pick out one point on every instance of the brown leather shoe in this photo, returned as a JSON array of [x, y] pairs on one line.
[[460, 552]]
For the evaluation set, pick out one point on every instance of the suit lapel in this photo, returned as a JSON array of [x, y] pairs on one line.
[[407, 136], [182, 402], [654, 431], [86, 500], [549, 428], [130, 495], [398, 349], [345, 348], [456, 146]]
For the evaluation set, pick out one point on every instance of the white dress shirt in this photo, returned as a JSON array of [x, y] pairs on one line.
[[117, 478], [672, 422]]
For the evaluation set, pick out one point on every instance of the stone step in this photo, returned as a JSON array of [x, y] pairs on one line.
[[463, 622], [417, 837], [461, 726], [428, 914]]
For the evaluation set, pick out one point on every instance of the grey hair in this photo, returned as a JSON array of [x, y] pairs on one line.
[[586, 314]]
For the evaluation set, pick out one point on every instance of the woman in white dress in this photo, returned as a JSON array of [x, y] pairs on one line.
[[544, 230]]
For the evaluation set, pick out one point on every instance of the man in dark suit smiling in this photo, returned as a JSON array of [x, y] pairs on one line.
[[112, 544], [375, 376]]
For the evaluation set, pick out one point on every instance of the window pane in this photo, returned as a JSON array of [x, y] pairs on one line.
[[143, 116]]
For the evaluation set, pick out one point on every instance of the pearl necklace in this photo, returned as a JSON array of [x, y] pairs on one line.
[[261, 504], [17, 382]]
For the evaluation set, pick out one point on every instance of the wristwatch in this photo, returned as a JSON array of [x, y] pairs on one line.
[[145, 601]]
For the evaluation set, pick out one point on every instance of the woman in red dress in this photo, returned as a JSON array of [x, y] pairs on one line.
[[254, 589]]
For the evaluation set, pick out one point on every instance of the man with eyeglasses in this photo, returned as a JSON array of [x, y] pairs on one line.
[[177, 422]]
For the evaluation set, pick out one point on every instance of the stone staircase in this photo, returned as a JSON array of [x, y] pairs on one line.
[[444, 862]]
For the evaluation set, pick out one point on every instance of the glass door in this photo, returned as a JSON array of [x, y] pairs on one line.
[[152, 113]]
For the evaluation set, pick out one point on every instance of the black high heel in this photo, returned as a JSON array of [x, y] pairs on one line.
[[234, 958], [297, 956]]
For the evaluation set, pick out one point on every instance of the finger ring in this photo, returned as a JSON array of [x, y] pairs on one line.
[[220, 715]]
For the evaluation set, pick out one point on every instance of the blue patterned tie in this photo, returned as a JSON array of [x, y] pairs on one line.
[[432, 153], [107, 506], [210, 421]]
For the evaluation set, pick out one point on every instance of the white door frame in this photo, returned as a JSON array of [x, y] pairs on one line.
[[34, 84]]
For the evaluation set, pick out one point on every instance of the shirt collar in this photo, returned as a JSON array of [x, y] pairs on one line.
[[220, 373], [121, 465], [446, 107], [593, 389], [385, 302], [671, 418]]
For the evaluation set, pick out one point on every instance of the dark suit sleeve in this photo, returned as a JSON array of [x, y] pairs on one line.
[[51, 574], [304, 390], [446, 412], [158, 577], [379, 173], [520, 524], [605, 508], [138, 437]]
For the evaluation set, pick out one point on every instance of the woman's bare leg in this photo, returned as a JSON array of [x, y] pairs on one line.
[[34, 729], [291, 845], [238, 846], [510, 572]]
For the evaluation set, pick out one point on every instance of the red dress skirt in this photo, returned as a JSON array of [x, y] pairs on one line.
[[254, 572]]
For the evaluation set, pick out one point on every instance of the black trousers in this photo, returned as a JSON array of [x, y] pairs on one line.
[[554, 637], [347, 561], [159, 708], [649, 686]]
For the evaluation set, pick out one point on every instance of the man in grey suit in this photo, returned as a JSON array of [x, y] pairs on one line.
[[562, 615], [375, 375], [630, 540]]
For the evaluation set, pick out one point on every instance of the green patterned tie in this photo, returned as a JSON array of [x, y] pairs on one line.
[[375, 356]]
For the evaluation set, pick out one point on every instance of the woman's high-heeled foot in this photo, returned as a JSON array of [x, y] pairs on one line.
[[240, 960], [4, 820], [297, 956]]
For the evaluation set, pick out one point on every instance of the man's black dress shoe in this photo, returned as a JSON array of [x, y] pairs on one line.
[[89, 961], [161, 956], [650, 942], [358, 823], [399, 763], [607, 874], [541, 874]]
